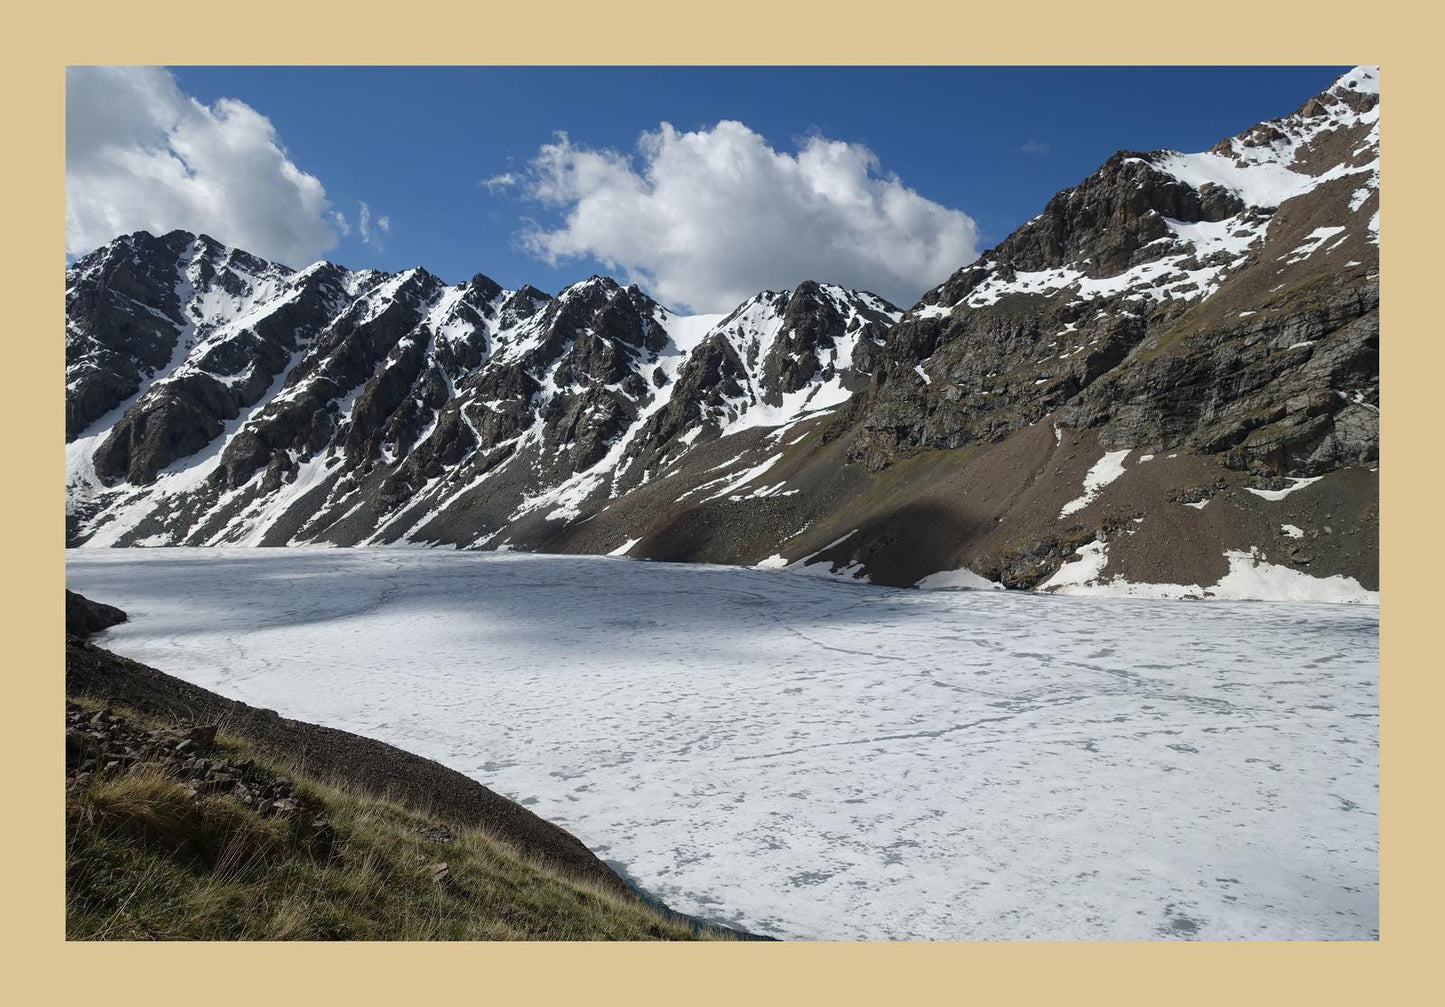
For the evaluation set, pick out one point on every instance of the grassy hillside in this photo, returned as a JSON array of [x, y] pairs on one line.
[[194, 837]]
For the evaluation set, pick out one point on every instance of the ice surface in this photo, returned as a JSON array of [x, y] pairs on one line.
[[818, 759]]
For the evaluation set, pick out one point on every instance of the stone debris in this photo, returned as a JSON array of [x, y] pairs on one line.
[[98, 742]]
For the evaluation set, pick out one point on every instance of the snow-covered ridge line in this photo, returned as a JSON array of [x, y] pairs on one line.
[[1266, 174], [503, 366], [1265, 168]]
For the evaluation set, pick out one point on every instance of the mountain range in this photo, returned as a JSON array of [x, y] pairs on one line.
[[1165, 384]]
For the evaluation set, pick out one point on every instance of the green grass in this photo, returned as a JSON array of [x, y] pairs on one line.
[[146, 860]]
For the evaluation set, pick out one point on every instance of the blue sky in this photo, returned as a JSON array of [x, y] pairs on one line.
[[415, 144]]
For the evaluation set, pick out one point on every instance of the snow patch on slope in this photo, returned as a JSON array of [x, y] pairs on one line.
[[1251, 577], [962, 579], [1296, 483], [1103, 472]]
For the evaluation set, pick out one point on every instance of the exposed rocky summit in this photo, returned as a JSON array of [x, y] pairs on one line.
[[1174, 325], [1225, 303]]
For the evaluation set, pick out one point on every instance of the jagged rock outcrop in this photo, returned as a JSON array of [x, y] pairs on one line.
[[263, 405], [1224, 302], [84, 617]]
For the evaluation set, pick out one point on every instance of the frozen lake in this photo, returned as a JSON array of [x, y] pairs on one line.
[[814, 759]]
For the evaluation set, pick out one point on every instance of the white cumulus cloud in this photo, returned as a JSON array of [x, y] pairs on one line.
[[705, 219], [142, 155]]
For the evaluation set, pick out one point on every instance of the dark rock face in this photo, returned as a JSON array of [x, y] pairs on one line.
[[1166, 313], [1270, 397], [121, 323], [713, 376], [813, 324], [84, 617], [1027, 563], [809, 324], [230, 366], [1106, 221]]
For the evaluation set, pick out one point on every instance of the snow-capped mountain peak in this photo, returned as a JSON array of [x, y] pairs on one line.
[[254, 403]]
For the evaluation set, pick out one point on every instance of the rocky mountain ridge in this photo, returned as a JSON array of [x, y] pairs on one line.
[[1176, 329], [1162, 271], [209, 391]]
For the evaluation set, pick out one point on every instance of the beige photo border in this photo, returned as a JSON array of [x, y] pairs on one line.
[[42, 968]]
